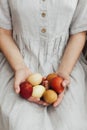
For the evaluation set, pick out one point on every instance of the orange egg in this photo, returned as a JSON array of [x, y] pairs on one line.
[[50, 96]]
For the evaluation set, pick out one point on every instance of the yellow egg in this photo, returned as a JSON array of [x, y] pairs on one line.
[[50, 96], [35, 79], [38, 91]]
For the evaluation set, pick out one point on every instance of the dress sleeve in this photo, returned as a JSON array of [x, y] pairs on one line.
[[79, 20], [5, 17]]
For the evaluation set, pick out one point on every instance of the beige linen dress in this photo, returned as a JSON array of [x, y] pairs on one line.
[[41, 29]]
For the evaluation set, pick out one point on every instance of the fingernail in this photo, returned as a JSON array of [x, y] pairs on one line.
[[17, 91], [38, 99], [64, 84], [45, 104], [55, 105]]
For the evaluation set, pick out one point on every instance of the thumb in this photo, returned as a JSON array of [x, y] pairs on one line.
[[65, 83], [17, 88], [18, 81]]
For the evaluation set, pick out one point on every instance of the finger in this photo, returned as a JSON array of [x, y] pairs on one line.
[[17, 88], [46, 84], [59, 100], [37, 101], [17, 83], [42, 103], [65, 83], [43, 83], [33, 99], [44, 78]]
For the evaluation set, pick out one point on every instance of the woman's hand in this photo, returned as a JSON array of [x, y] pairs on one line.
[[38, 100], [20, 76], [65, 84], [45, 83]]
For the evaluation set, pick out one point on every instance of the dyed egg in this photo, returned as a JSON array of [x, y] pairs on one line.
[[50, 77], [38, 91], [26, 90], [35, 79], [56, 84], [50, 96]]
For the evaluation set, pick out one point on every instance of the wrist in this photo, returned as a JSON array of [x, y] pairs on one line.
[[62, 69], [66, 78], [20, 66], [61, 72]]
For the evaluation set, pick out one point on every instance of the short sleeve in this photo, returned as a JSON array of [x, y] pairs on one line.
[[79, 20], [5, 18]]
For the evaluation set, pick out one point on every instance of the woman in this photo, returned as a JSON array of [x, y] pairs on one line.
[[42, 36]]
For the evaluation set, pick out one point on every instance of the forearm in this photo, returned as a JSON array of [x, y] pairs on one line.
[[72, 53], [10, 50]]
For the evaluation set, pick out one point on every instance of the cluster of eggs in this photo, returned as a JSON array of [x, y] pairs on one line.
[[33, 86]]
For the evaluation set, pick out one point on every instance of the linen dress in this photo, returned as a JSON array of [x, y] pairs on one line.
[[41, 29]]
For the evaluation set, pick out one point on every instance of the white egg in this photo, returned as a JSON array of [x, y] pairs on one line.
[[38, 91], [35, 79]]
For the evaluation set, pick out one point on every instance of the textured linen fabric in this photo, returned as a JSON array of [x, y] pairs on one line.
[[41, 41]]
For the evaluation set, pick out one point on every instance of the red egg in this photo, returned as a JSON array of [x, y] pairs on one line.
[[50, 77], [26, 90], [56, 84]]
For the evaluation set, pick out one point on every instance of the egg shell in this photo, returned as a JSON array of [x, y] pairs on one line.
[[35, 79], [50, 96], [50, 77], [56, 84], [38, 91], [26, 90]]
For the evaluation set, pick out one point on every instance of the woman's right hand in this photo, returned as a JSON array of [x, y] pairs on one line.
[[20, 76]]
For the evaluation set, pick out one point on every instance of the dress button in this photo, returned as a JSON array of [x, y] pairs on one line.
[[43, 14], [43, 30]]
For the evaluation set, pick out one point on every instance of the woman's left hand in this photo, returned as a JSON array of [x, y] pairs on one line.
[[65, 84]]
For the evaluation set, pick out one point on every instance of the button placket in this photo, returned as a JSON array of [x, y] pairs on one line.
[[43, 4], [43, 18]]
